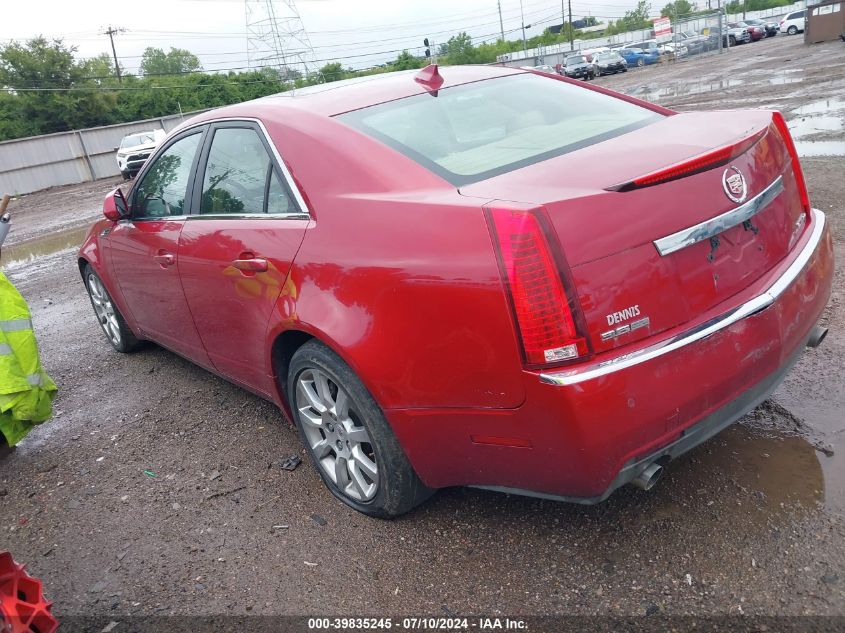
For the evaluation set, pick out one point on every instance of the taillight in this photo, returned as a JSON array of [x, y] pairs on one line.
[[694, 165], [783, 130], [544, 311]]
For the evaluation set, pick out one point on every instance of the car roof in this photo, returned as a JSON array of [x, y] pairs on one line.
[[337, 97]]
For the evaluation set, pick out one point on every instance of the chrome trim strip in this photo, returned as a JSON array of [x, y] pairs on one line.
[[250, 216], [758, 303], [285, 172], [719, 224]]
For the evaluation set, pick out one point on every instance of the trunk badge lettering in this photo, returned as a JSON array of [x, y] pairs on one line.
[[625, 329], [733, 182]]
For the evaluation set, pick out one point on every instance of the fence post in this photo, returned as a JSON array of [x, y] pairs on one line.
[[85, 155]]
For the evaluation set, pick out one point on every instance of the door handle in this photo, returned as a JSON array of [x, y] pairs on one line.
[[251, 264], [165, 259]]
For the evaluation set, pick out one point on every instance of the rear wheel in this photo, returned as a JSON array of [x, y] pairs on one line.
[[110, 319], [792, 30], [348, 438]]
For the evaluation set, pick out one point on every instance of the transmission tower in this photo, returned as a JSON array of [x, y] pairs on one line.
[[276, 38]]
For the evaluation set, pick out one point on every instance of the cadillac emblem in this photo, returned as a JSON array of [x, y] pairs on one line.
[[734, 185]]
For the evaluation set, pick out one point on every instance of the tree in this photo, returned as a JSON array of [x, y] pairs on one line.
[[677, 9], [458, 49], [331, 72], [176, 61], [44, 77], [100, 69], [406, 61]]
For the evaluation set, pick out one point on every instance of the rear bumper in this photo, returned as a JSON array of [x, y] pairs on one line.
[[582, 433]]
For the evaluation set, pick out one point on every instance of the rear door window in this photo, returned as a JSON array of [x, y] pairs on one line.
[[239, 176], [475, 131]]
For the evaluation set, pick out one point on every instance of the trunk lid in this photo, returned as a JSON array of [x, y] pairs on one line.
[[627, 289]]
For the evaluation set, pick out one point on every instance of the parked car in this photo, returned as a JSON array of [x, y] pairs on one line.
[[793, 23], [757, 33], [639, 57], [438, 293], [771, 28], [542, 68], [134, 150], [673, 50], [694, 42], [731, 36], [576, 67], [589, 52], [609, 64]]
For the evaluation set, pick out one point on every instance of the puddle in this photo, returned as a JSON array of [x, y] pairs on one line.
[[823, 106], [815, 125], [31, 250], [778, 472], [783, 79], [654, 92], [820, 148]]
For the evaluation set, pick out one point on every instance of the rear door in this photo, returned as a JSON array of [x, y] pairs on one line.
[[144, 248], [237, 247]]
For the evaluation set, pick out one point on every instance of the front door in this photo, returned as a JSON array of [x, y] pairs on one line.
[[237, 247], [145, 249]]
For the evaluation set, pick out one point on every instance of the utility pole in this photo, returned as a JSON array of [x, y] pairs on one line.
[[111, 32], [522, 19], [571, 32], [502, 24], [721, 26]]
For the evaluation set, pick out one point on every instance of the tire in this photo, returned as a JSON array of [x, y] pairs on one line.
[[356, 453], [731, 41], [792, 30], [110, 319], [125, 175], [640, 62]]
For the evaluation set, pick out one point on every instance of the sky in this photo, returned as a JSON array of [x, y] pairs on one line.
[[357, 33]]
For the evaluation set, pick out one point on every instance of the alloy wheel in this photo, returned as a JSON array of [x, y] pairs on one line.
[[335, 435], [104, 309]]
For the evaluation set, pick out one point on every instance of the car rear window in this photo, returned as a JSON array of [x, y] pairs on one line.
[[475, 131]]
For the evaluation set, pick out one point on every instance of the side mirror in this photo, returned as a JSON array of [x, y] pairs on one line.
[[114, 206]]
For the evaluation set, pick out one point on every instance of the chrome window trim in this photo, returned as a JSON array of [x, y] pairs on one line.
[[752, 306], [305, 213], [721, 223], [250, 216]]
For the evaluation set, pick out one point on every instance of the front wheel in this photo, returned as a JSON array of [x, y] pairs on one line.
[[347, 436], [110, 319], [640, 62], [792, 30], [731, 41]]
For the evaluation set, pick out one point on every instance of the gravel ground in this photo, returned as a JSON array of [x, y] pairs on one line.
[[157, 488]]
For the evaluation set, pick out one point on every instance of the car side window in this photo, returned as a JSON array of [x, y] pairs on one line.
[[164, 186], [239, 176], [278, 200]]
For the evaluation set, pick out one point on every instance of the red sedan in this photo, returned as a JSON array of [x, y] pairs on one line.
[[417, 268]]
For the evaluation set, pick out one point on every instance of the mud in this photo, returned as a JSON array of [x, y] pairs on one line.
[[156, 488]]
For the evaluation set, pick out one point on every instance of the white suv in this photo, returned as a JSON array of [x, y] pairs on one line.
[[793, 22], [135, 149]]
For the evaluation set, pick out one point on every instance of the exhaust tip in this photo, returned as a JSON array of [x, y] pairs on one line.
[[649, 476], [818, 335]]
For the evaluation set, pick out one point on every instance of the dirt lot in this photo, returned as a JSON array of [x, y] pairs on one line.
[[157, 487]]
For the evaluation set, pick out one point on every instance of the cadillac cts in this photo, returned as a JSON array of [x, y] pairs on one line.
[[419, 269]]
